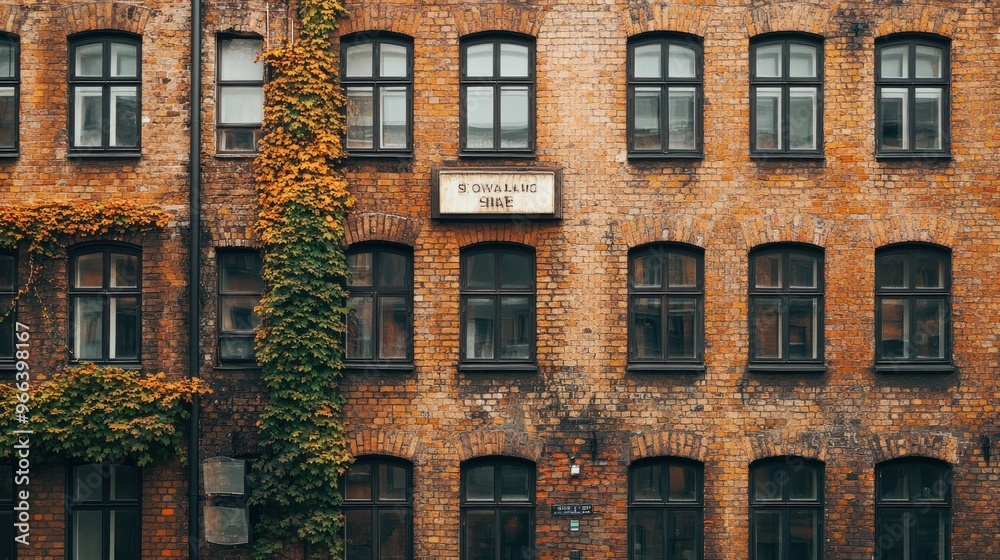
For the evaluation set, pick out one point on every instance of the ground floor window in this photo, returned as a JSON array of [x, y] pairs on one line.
[[498, 509], [104, 512]]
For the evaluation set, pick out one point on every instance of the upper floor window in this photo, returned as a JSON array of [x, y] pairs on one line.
[[786, 509], [240, 289], [8, 310], [498, 509], [666, 306], [380, 305], [105, 512], [377, 76], [378, 510], [498, 95], [240, 100], [498, 306], [665, 93], [786, 307], [10, 93], [913, 301], [666, 510], [786, 95], [913, 509], [104, 304], [104, 93], [912, 95]]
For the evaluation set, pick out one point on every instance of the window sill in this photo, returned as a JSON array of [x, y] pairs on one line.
[[379, 155], [922, 156], [131, 154], [639, 156], [497, 155], [498, 367], [236, 366], [786, 156], [9, 154], [665, 368], [377, 368], [236, 155], [914, 368], [786, 368], [106, 364]]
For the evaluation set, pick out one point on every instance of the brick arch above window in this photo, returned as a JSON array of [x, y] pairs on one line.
[[904, 229], [810, 445], [105, 15], [498, 17], [783, 17], [13, 18], [666, 443], [521, 233], [377, 226], [693, 20], [786, 228], [940, 446], [393, 443], [508, 443], [916, 18], [663, 228], [382, 16]]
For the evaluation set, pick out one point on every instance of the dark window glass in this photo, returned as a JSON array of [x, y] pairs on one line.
[[665, 95], [666, 303], [912, 510], [912, 95], [8, 309], [498, 95], [666, 510], [10, 92], [104, 512], [786, 509], [8, 548], [786, 305], [380, 304], [913, 300], [378, 509], [377, 75], [105, 79], [498, 304], [240, 86], [105, 292], [240, 289], [498, 510], [786, 95]]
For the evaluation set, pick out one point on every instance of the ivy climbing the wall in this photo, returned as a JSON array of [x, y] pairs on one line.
[[303, 200]]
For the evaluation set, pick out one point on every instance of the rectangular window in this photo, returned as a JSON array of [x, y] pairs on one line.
[[105, 319], [665, 93], [240, 86], [10, 93], [912, 96], [498, 95], [786, 88], [377, 78], [105, 514], [241, 286], [104, 83], [8, 309], [380, 307]]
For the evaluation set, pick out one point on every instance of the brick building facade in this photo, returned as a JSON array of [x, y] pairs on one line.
[[750, 316]]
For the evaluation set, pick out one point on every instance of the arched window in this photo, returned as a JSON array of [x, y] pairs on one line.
[[377, 75], [786, 95], [913, 510], [105, 77], [380, 305], [498, 94], [498, 509], [666, 509], [378, 509], [912, 95], [786, 509]]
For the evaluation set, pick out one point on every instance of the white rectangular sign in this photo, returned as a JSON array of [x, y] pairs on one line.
[[482, 193]]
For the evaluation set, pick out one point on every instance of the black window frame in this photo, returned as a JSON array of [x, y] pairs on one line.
[[376, 292], [911, 293], [497, 83], [667, 292], [667, 505], [106, 82], [106, 292], [783, 471], [786, 83], [377, 83], [224, 293], [504, 508], [914, 507], [8, 548], [375, 504], [785, 293], [497, 293], [911, 41], [221, 128], [665, 83], [104, 504], [12, 83], [8, 313]]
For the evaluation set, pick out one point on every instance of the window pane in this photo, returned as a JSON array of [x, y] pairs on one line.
[[929, 107], [88, 328], [802, 61], [125, 483], [515, 483], [480, 484], [124, 535], [767, 135], [803, 106], [479, 61], [803, 273], [646, 482], [767, 536], [768, 483], [358, 535], [88, 528], [7, 544], [360, 118], [894, 482], [359, 61], [647, 271], [238, 313], [359, 482], [683, 484], [8, 117], [241, 272], [124, 328], [89, 271], [802, 328], [894, 528], [681, 111], [929, 338], [515, 327], [684, 536], [392, 60], [479, 328], [682, 319], [90, 60], [123, 60], [648, 539], [360, 325], [480, 271], [682, 271], [391, 482], [6, 272], [6, 330], [895, 328], [768, 63], [514, 131], [803, 534], [647, 330], [236, 348], [514, 61], [394, 118], [393, 270], [393, 534], [393, 331], [515, 270], [929, 271], [931, 530], [682, 62], [515, 543], [893, 272], [125, 117], [929, 62], [88, 483], [241, 105], [124, 271], [646, 61], [767, 327], [359, 266], [895, 61], [802, 482], [767, 271], [894, 118], [238, 139], [8, 58], [647, 119], [479, 117], [480, 540], [88, 116], [932, 483], [239, 60]]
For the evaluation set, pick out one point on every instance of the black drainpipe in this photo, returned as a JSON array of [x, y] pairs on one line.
[[194, 280]]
